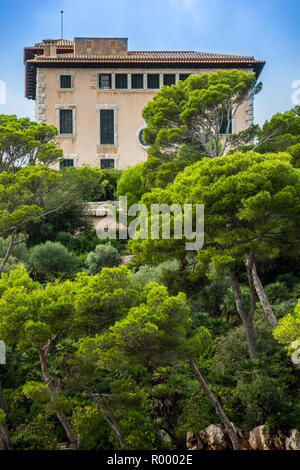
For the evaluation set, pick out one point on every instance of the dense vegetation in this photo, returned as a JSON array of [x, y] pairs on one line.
[[106, 356]]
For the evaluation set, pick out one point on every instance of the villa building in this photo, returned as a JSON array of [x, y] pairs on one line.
[[94, 91]]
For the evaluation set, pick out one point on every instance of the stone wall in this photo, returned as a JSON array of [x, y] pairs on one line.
[[214, 437]]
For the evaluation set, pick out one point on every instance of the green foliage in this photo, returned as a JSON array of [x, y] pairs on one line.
[[2, 416], [52, 259], [231, 350], [33, 192], [131, 184], [159, 273], [210, 297], [103, 298], [153, 332], [36, 391], [189, 115], [105, 184], [281, 133], [30, 315], [238, 191], [19, 251], [104, 256], [70, 219], [140, 429], [294, 151], [86, 242], [277, 292], [37, 435], [88, 423], [160, 169], [25, 142], [228, 307], [287, 332], [17, 278], [256, 391]]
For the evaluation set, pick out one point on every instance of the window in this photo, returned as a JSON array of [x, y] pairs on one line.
[[121, 80], [153, 81], [137, 81], [107, 126], [65, 81], [65, 121], [184, 76], [105, 80], [169, 78], [223, 127], [106, 163], [67, 162], [141, 138]]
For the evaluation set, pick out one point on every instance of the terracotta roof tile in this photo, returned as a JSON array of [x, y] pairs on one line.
[[150, 57], [58, 42]]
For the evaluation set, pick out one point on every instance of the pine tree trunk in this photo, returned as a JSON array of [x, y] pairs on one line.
[[263, 298], [228, 425], [8, 251], [248, 324], [245, 317], [113, 427], [52, 392]]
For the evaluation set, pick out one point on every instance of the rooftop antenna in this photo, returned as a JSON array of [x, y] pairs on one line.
[[62, 23]]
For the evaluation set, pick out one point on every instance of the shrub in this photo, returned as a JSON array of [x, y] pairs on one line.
[[39, 434], [160, 273], [210, 298], [94, 433], [277, 292], [256, 391], [19, 254], [104, 256], [131, 184], [51, 259], [106, 185], [86, 242], [228, 306]]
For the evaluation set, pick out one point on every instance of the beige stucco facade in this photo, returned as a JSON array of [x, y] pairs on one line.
[[86, 100]]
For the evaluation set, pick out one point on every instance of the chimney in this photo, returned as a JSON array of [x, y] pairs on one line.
[[50, 47], [100, 46]]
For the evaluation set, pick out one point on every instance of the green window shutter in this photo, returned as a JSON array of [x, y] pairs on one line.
[[137, 81], [105, 80], [153, 81], [121, 80], [169, 79], [65, 121], [65, 81], [107, 126]]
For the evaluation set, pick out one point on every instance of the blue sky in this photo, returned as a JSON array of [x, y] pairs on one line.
[[267, 29]]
